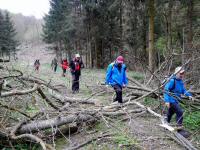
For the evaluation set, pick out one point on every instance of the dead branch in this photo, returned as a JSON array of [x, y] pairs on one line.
[[13, 76], [120, 112], [27, 136], [40, 82], [64, 99], [14, 109], [46, 98], [17, 92], [1, 85]]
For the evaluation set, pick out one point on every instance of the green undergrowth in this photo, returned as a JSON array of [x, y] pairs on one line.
[[192, 120], [121, 135], [136, 75], [32, 109], [148, 101]]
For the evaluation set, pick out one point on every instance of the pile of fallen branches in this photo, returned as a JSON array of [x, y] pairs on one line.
[[31, 106]]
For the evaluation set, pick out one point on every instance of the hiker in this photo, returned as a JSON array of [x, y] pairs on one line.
[[54, 64], [172, 95], [65, 66], [116, 77], [37, 65], [75, 65]]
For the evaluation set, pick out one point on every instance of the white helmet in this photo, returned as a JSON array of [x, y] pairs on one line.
[[77, 55], [179, 70]]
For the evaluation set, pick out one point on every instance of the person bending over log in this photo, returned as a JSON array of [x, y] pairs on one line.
[[116, 77], [172, 95]]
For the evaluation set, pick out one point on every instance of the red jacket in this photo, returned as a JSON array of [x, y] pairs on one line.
[[65, 64]]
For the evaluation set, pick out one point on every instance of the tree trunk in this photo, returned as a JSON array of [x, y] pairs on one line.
[[151, 36], [54, 122], [169, 28], [189, 24]]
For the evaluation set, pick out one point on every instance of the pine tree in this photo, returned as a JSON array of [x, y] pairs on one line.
[[1, 33], [8, 43]]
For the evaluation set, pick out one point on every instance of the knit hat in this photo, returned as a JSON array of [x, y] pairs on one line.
[[120, 59]]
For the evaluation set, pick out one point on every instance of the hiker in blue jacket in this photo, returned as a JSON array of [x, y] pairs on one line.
[[173, 91], [116, 77]]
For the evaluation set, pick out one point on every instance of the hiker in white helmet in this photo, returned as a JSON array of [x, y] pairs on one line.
[[75, 65]]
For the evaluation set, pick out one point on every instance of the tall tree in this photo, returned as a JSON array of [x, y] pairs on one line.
[[151, 36], [10, 33], [189, 23], [8, 43], [2, 28]]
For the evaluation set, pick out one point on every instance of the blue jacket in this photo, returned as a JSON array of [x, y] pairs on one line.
[[114, 76], [176, 88]]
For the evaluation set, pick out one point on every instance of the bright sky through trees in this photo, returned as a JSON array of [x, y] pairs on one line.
[[35, 8]]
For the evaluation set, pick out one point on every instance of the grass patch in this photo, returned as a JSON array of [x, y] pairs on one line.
[[137, 75], [192, 120], [148, 101], [100, 126], [124, 139], [31, 109]]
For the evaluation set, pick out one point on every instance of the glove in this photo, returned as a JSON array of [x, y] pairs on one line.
[[124, 85], [191, 98], [168, 105]]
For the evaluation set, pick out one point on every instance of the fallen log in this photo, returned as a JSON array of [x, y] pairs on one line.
[[120, 112], [40, 82], [34, 126], [65, 99], [46, 98], [28, 136]]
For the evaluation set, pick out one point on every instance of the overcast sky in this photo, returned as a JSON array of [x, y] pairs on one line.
[[35, 8]]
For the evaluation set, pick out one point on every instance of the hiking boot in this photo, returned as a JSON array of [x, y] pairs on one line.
[[179, 127]]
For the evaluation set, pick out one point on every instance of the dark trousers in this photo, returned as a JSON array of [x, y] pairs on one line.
[[175, 108], [75, 82], [118, 90], [64, 71], [55, 68]]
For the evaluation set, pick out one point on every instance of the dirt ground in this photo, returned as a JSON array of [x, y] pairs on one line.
[[145, 128]]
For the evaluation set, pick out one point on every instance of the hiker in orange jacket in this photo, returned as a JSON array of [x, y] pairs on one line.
[[65, 66]]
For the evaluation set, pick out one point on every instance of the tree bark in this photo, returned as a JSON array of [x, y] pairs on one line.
[[54, 122], [151, 36]]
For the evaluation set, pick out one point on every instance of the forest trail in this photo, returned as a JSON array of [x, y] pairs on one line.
[[144, 128]]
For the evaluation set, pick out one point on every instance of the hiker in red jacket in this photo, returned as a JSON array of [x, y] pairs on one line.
[[64, 66]]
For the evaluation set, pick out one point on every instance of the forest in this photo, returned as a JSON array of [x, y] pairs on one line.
[[102, 29], [108, 75]]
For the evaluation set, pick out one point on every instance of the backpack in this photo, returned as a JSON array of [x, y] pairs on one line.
[[166, 80]]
